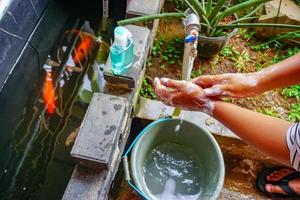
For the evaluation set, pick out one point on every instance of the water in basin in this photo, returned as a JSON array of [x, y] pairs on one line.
[[173, 171]]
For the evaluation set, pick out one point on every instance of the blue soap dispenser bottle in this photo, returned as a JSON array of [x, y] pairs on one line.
[[121, 51]]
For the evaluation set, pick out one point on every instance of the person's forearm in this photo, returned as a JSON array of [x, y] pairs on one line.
[[282, 74], [264, 132]]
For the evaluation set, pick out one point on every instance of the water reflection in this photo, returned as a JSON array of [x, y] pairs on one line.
[[35, 161]]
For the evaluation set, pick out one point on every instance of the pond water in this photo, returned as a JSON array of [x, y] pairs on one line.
[[35, 160], [173, 171]]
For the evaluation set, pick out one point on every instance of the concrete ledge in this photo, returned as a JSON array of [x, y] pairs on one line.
[[99, 133], [84, 184], [152, 110], [141, 37], [143, 7]]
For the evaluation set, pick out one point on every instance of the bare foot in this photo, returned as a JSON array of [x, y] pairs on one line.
[[279, 174]]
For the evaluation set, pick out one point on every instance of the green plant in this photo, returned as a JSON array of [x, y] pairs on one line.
[[212, 15], [293, 91], [147, 90], [226, 51], [286, 54], [294, 113], [246, 34], [269, 111], [169, 50], [278, 41], [197, 72], [240, 59]]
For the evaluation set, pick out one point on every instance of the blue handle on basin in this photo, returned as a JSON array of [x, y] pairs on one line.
[[125, 160]]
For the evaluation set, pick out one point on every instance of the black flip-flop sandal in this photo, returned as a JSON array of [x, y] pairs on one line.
[[283, 182]]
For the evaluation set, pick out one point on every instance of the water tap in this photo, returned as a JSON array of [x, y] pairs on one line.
[[192, 28]]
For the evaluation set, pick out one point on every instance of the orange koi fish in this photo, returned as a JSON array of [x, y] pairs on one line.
[[82, 51], [87, 42], [48, 93]]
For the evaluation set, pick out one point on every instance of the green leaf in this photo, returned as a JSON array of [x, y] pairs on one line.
[[150, 17], [195, 5], [208, 7], [255, 25], [216, 9], [234, 9]]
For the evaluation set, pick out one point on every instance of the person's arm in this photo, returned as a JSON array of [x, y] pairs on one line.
[[264, 132], [237, 85], [282, 74]]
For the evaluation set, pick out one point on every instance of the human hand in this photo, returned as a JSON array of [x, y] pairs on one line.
[[183, 94], [230, 85]]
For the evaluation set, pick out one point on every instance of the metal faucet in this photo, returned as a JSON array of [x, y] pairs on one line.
[[192, 28]]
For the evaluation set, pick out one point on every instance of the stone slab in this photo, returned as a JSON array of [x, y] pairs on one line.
[[99, 133], [137, 8], [92, 184], [287, 13], [152, 110], [84, 184], [141, 36], [143, 7]]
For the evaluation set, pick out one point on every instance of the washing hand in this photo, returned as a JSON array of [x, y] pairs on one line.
[[183, 94], [230, 85]]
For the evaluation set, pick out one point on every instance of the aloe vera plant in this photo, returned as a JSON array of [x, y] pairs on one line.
[[212, 13]]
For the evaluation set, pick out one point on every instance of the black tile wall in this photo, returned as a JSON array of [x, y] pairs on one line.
[[19, 19], [17, 92]]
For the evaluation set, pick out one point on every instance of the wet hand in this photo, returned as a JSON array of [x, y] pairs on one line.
[[182, 94], [230, 85]]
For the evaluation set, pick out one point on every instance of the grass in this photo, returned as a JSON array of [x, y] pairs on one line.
[[268, 111], [240, 59], [246, 34], [286, 54], [293, 91], [294, 113], [147, 90], [197, 72], [170, 51], [279, 41], [263, 60]]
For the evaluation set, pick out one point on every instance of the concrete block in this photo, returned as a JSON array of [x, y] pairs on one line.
[[141, 38], [98, 137], [152, 110], [84, 184], [143, 7], [137, 8]]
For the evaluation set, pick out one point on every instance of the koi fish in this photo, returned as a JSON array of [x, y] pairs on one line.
[[48, 93], [85, 45], [82, 51]]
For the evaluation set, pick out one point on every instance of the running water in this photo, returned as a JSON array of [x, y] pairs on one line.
[[173, 171], [177, 127]]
